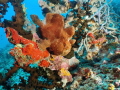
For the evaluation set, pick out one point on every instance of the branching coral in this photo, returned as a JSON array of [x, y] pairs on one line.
[[58, 6], [17, 21], [28, 78], [54, 31], [6, 61], [15, 79]]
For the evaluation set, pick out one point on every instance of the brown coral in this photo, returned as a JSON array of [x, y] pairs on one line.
[[54, 31], [17, 21]]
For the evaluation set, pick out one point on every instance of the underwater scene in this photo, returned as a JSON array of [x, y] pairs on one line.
[[59, 44]]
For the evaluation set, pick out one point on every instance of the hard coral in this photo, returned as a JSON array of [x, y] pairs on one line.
[[18, 20], [54, 1], [54, 31]]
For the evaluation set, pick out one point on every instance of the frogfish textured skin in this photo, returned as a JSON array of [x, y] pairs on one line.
[[54, 31], [25, 51]]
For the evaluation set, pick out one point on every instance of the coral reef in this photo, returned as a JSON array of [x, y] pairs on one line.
[[18, 20], [4, 59], [33, 74], [76, 46]]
